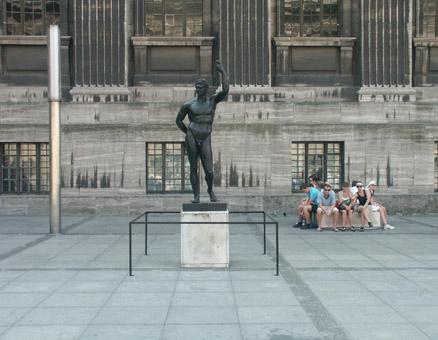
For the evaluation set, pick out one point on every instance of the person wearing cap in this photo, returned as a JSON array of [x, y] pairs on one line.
[[327, 206], [371, 187]]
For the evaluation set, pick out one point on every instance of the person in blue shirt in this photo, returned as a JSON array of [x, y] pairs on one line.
[[312, 205], [305, 188], [327, 206]]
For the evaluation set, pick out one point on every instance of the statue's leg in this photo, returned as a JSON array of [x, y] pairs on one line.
[[192, 153], [207, 163]]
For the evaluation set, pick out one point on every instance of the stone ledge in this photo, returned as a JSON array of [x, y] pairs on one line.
[[28, 39], [315, 41], [387, 94], [103, 94], [172, 41]]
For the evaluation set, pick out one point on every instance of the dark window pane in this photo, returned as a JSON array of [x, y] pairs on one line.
[[321, 159], [308, 17], [436, 165], [176, 173], [20, 167], [173, 17], [27, 17]]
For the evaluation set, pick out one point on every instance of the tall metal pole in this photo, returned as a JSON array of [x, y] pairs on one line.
[[54, 47]]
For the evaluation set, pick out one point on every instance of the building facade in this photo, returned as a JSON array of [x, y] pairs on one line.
[[345, 89]]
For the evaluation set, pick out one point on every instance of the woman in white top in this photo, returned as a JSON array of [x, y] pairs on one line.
[[376, 205]]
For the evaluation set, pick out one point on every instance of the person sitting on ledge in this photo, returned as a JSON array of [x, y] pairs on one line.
[[376, 206], [327, 206], [305, 202], [363, 199], [345, 206], [313, 204]]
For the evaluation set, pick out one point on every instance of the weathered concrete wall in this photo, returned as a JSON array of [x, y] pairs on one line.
[[253, 132]]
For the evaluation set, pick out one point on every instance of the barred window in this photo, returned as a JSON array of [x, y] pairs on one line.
[[167, 168], [308, 18], [436, 166], [30, 17], [323, 159], [427, 18], [171, 17], [24, 167]]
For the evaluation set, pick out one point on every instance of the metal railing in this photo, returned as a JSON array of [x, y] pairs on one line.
[[146, 224]]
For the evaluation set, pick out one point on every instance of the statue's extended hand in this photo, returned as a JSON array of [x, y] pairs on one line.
[[219, 67]]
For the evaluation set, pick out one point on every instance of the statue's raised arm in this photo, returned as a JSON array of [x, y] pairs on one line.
[[224, 81]]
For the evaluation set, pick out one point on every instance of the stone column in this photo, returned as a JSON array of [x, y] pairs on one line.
[[386, 50]]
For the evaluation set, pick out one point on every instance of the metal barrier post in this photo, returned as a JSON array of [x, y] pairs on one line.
[[264, 233], [130, 249], [276, 248], [145, 233]]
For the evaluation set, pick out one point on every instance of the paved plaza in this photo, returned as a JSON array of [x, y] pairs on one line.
[[372, 285]]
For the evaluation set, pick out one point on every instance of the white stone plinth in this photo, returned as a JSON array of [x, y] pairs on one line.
[[205, 245]]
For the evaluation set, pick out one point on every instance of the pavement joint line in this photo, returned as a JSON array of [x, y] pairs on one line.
[[398, 252], [26, 246], [316, 311], [74, 225], [170, 306], [311, 269], [404, 218], [391, 307], [235, 307], [106, 301]]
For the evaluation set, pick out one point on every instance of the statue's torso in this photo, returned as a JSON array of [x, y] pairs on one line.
[[201, 116]]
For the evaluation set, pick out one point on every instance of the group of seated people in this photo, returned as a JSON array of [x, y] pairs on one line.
[[322, 200]]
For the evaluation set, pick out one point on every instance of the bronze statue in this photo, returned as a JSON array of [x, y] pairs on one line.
[[201, 111]]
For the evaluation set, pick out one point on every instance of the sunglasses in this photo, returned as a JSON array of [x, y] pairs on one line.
[[359, 186]]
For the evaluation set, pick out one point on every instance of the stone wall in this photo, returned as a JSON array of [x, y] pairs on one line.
[[392, 143]]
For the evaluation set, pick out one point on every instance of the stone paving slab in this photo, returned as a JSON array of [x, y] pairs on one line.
[[347, 286]]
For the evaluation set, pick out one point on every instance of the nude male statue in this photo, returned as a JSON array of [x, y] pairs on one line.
[[201, 111]]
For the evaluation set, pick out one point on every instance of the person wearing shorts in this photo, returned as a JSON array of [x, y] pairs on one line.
[[363, 199], [379, 207], [327, 206], [345, 206], [312, 205]]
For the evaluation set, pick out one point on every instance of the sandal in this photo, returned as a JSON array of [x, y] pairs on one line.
[[353, 229]]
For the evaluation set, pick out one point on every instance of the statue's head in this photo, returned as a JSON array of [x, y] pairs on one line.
[[201, 87]]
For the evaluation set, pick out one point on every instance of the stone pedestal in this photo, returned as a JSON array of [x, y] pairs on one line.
[[204, 245]]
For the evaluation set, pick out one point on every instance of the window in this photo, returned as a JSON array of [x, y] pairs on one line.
[[436, 166], [308, 18], [427, 18], [323, 159], [24, 167], [31, 17], [167, 168], [172, 17]]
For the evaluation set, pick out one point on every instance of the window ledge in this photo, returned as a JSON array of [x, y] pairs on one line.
[[27, 39], [315, 41], [172, 41], [426, 42]]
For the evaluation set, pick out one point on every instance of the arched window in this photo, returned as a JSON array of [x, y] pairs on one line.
[[308, 18], [169, 17], [30, 17]]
